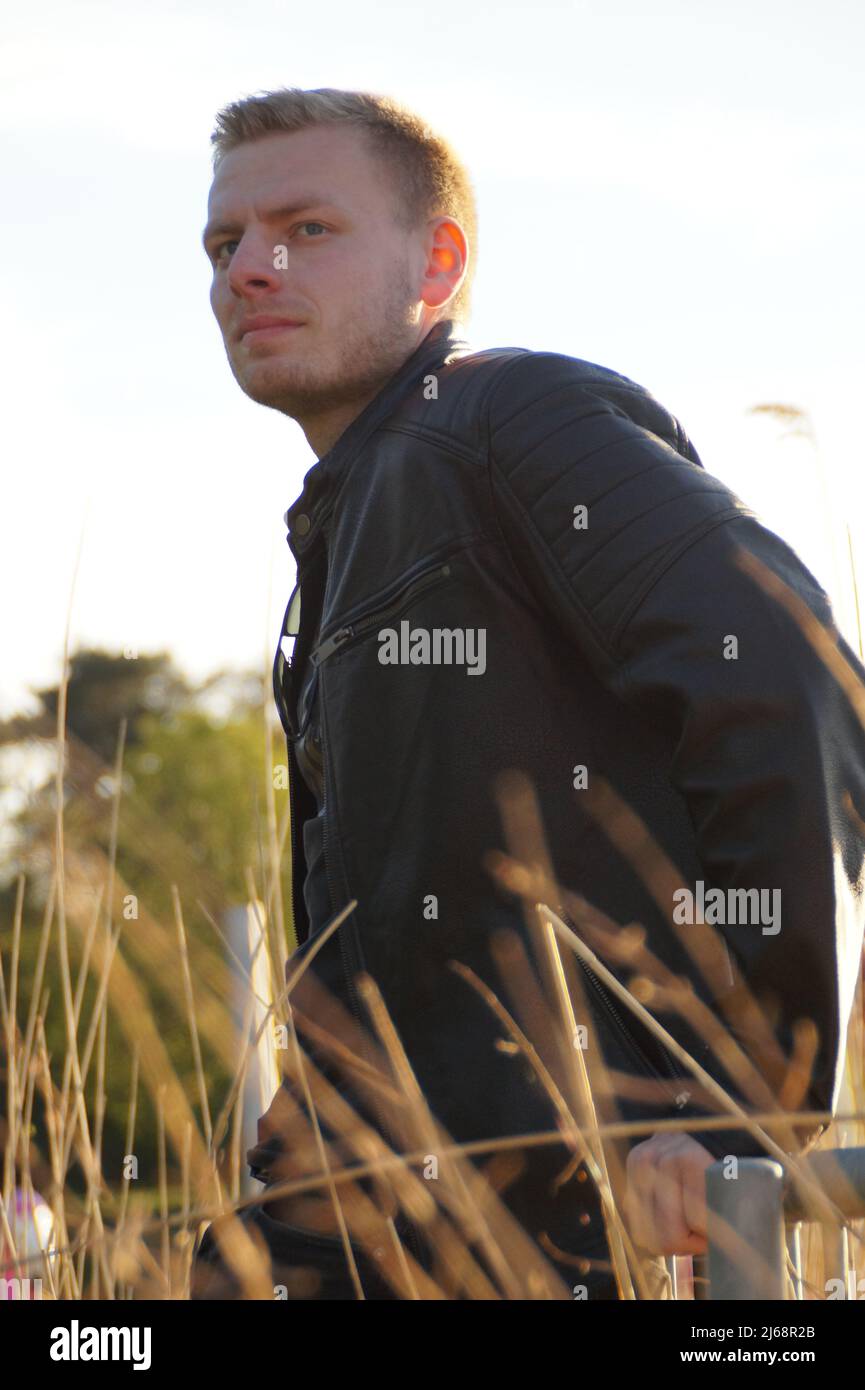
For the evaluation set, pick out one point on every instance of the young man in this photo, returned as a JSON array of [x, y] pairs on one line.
[[513, 560]]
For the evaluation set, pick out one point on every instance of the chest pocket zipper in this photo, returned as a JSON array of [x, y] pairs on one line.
[[362, 625]]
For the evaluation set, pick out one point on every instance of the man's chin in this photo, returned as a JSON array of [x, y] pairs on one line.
[[299, 401], [279, 388]]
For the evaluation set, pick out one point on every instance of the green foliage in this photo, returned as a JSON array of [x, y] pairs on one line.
[[191, 812], [206, 783]]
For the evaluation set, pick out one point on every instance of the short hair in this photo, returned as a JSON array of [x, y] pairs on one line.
[[427, 176]]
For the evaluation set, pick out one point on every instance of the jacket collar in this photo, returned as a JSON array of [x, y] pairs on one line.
[[322, 480]]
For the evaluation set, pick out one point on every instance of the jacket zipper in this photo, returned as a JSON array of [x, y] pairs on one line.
[[362, 625], [681, 1098], [295, 851], [289, 751]]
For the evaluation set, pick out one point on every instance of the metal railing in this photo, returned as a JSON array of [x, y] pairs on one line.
[[753, 1226]]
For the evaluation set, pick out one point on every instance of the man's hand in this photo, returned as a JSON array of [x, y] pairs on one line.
[[665, 1202]]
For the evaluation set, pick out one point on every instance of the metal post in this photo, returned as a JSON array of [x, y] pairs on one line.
[[836, 1261], [794, 1250], [747, 1252], [244, 930], [747, 1211]]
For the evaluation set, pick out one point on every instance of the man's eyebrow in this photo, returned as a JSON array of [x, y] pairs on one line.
[[276, 214]]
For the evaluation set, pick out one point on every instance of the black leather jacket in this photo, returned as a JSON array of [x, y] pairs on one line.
[[449, 503]]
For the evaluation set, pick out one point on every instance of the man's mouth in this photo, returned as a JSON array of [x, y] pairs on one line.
[[262, 327]]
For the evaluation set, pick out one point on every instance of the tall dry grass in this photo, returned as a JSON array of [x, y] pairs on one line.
[[117, 1242]]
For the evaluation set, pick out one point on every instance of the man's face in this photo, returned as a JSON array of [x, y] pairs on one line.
[[349, 277]]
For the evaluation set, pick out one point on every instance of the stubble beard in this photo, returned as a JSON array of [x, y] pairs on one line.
[[308, 383]]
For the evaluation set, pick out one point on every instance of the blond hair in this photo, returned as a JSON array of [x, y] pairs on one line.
[[428, 178]]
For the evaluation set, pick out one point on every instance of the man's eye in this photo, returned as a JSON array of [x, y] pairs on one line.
[[219, 258]]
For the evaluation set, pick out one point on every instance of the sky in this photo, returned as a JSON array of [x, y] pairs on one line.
[[674, 191]]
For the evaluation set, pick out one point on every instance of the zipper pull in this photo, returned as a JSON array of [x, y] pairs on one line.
[[322, 652]]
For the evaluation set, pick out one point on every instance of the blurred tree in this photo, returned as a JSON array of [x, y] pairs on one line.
[[105, 688], [190, 810]]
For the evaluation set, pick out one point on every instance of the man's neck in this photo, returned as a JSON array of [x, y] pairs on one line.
[[322, 432]]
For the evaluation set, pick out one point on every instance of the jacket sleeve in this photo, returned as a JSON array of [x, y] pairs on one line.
[[766, 742]]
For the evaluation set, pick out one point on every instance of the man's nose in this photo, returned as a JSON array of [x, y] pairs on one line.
[[252, 265]]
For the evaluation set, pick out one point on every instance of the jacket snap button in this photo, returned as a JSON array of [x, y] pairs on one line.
[[302, 525]]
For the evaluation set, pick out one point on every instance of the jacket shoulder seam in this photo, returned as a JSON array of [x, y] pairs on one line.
[[607, 643], [556, 571]]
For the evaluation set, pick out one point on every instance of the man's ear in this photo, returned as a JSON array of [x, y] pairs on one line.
[[447, 261]]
